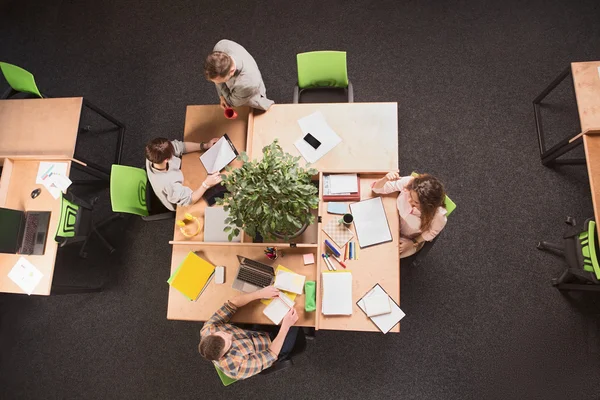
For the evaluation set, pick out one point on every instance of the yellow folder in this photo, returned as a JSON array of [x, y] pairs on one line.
[[192, 276], [290, 295]]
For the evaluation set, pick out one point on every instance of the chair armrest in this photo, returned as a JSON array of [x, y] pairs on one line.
[[160, 217], [296, 94], [350, 92]]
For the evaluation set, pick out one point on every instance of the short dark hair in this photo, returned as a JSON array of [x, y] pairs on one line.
[[211, 346], [217, 64], [159, 150]]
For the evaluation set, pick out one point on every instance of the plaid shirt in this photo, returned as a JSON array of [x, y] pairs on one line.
[[249, 353]]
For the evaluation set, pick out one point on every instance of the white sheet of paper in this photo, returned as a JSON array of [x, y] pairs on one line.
[[60, 181], [377, 304], [49, 185], [46, 168], [337, 293], [25, 275], [343, 183], [384, 322], [218, 156], [370, 222], [598, 71], [289, 281], [277, 309], [316, 125]]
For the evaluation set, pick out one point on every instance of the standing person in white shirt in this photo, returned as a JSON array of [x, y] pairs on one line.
[[421, 205]]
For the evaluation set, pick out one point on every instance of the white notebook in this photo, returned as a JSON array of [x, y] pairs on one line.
[[370, 222], [289, 281], [219, 155], [337, 293], [277, 308], [377, 304], [384, 322]]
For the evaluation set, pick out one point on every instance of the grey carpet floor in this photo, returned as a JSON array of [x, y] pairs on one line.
[[482, 320]]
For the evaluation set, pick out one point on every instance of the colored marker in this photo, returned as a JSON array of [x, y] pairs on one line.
[[332, 248], [326, 263], [330, 263], [339, 261], [346, 253]]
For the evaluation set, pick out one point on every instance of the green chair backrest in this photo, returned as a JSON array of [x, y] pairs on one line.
[[450, 205], [68, 218], [128, 190], [322, 69], [588, 249], [19, 79], [224, 378]]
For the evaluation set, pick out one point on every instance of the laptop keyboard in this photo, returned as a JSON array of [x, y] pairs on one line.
[[29, 239], [252, 277], [260, 266]]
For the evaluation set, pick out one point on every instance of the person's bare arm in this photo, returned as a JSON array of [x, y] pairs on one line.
[[209, 182], [290, 319], [265, 293], [190, 147], [390, 176]]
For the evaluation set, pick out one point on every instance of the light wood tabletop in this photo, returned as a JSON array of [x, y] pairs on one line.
[[586, 81], [369, 133], [39, 126], [20, 178]]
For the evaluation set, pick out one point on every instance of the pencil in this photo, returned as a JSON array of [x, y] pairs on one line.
[[346, 253], [357, 252]]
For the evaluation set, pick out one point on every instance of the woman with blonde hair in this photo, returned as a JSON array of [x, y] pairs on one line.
[[421, 205]]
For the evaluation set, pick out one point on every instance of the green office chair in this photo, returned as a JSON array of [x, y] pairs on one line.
[[579, 250], [131, 192], [76, 224], [19, 80], [323, 78], [416, 259]]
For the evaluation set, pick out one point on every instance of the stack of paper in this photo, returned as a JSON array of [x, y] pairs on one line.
[[317, 126], [290, 295], [192, 276], [277, 309], [377, 304], [385, 322], [219, 155], [54, 177], [289, 281], [343, 183], [337, 293], [25, 275]]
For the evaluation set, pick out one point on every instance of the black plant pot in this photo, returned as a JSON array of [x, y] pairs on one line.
[[300, 232]]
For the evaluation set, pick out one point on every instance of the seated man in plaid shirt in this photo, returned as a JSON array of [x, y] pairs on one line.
[[240, 353]]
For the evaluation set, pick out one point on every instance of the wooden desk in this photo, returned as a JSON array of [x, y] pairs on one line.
[[18, 180], [39, 126], [378, 264], [369, 133]]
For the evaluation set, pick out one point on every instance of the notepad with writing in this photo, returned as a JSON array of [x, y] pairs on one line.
[[289, 281], [337, 293], [219, 155], [385, 322], [192, 276], [277, 308]]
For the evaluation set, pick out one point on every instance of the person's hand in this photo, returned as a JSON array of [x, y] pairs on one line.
[[392, 176], [404, 246], [210, 143], [212, 180], [290, 318], [268, 292], [223, 103]]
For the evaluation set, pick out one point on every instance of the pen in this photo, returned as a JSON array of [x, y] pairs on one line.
[[326, 263], [346, 253], [339, 261], [45, 175], [332, 248], [330, 263]]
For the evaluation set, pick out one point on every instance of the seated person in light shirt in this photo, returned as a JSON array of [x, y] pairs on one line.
[[421, 205], [163, 166]]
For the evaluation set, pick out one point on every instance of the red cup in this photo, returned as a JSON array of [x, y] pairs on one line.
[[230, 113]]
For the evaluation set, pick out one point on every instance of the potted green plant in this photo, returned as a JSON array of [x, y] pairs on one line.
[[271, 197]]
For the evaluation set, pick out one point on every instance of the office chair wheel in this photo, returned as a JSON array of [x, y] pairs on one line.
[[540, 246], [83, 254], [570, 221], [554, 281]]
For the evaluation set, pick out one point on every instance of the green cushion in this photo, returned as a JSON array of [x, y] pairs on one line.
[[322, 69], [19, 79], [128, 190], [224, 378], [310, 296], [68, 217]]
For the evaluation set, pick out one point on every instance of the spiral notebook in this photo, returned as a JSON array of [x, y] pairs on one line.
[[219, 155]]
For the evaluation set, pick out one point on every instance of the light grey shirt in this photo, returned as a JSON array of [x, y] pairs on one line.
[[246, 86], [168, 185]]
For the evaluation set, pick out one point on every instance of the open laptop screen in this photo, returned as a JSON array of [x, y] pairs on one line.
[[10, 226]]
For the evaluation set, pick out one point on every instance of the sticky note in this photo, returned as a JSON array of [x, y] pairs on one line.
[[309, 258]]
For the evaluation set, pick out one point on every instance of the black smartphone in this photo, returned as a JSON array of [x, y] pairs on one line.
[[310, 139]]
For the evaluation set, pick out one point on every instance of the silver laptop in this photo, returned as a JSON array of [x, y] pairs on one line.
[[253, 275]]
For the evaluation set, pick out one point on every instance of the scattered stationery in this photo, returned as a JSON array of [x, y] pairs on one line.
[[337, 293], [338, 232], [277, 309], [271, 253], [332, 248], [289, 281], [328, 263], [47, 168], [339, 261], [308, 258], [214, 223], [54, 177], [219, 155], [343, 183], [351, 250], [328, 194], [385, 322], [290, 295], [316, 125], [192, 276], [347, 252], [370, 222], [25, 275], [377, 304], [334, 207]]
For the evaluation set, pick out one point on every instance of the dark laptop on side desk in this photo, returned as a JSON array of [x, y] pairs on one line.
[[253, 275], [23, 232]]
